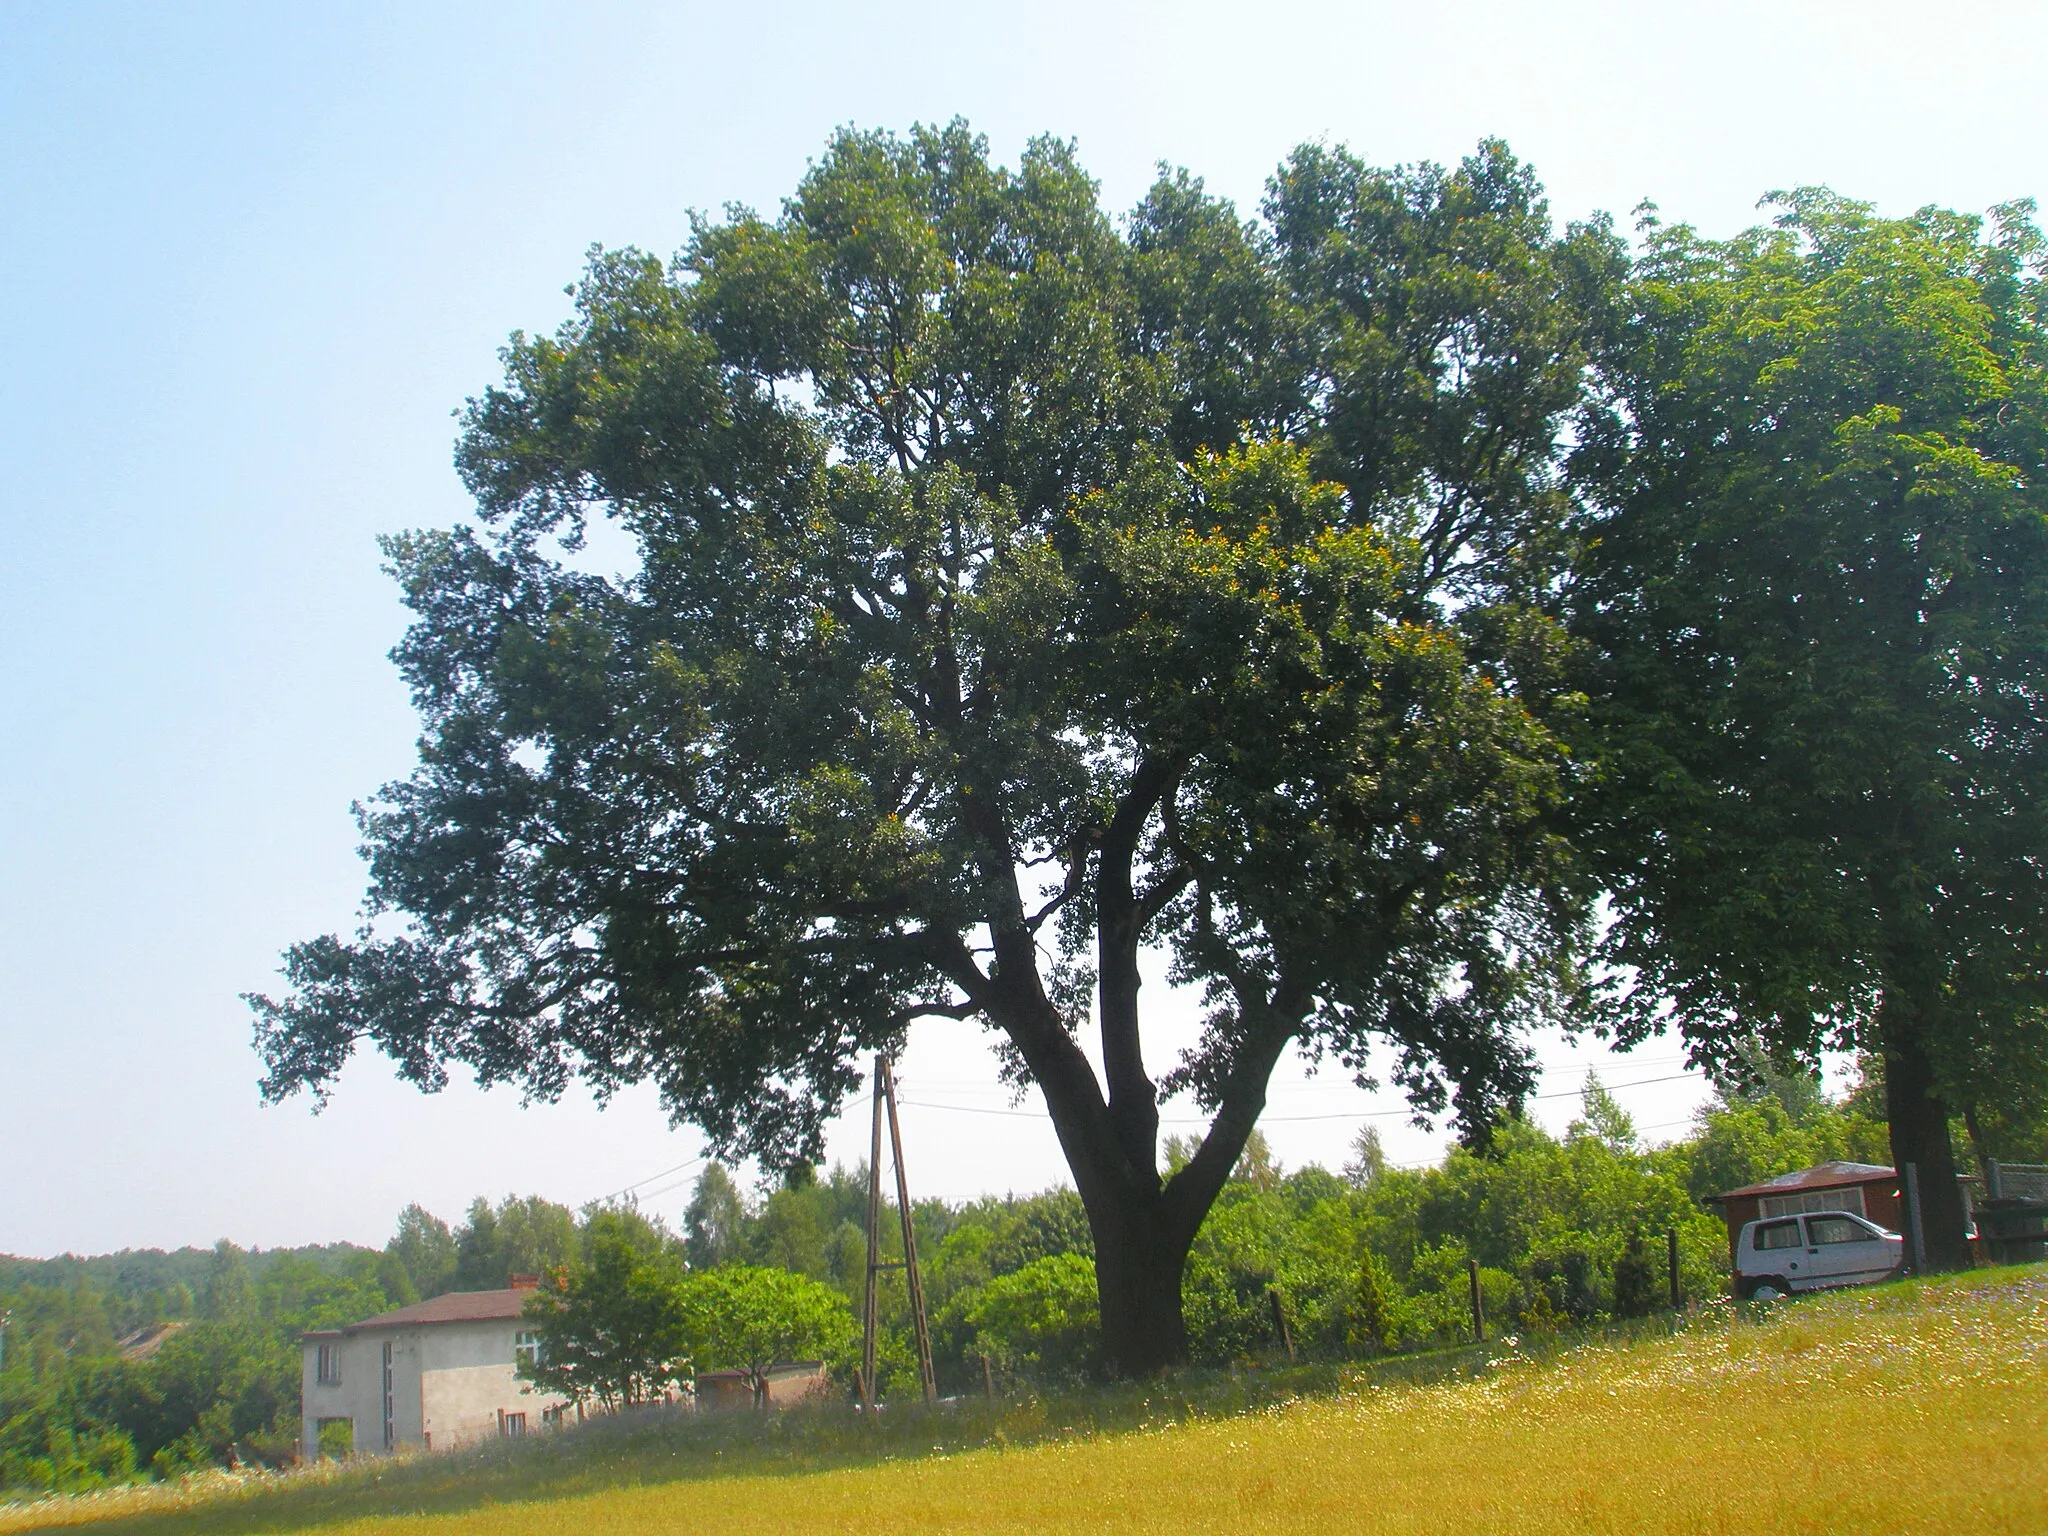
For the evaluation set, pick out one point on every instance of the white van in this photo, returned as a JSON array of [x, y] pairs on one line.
[[1813, 1252]]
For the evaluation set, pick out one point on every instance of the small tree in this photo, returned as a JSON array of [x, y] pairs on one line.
[[1373, 1325], [711, 1225], [749, 1319], [425, 1248], [615, 1329], [1635, 1280], [1602, 1118], [1368, 1157], [229, 1296], [528, 1236], [1042, 1315]]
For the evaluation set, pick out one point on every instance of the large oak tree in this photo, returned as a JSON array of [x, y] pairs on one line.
[[1014, 590], [1816, 601]]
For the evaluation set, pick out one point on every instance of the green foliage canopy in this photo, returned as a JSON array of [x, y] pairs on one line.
[[746, 1318], [1042, 1317], [1816, 602], [614, 1329], [1009, 593]]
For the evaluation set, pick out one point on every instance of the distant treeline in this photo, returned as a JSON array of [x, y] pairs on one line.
[[150, 1363]]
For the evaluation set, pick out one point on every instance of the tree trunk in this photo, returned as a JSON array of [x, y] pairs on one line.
[[1978, 1146], [1139, 1258], [1919, 1132]]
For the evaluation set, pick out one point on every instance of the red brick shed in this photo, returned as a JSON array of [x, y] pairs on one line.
[[1866, 1189]]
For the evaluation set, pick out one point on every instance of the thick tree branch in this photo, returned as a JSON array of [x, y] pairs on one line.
[[1120, 923], [1190, 1192]]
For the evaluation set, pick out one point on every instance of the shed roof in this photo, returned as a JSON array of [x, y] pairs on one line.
[[1835, 1175]]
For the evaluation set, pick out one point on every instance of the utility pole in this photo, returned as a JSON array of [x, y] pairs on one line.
[[885, 1102], [868, 1316]]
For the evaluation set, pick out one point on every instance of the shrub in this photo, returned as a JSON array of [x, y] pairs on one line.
[[1043, 1316]]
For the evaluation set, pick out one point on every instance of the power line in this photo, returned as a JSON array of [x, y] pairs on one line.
[[1543, 1067], [1365, 1114], [638, 1183], [665, 1189], [1641, 1082]]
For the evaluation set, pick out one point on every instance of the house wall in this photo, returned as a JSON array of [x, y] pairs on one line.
[[359, 1396], [471, 1379], [355, 1397], [450, 1384]]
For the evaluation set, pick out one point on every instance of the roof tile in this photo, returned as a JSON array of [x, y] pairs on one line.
[[454, 1307]]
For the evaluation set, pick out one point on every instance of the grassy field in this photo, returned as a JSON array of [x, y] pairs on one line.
[[1903, 1408]]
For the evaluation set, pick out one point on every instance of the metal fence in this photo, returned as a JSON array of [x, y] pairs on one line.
[[2017, 1181]]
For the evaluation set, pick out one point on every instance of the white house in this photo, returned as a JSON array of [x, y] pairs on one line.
[[437, 1374]]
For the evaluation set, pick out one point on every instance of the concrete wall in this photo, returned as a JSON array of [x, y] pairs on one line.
[[358, 1396], [452, 1383], [471, 1382]]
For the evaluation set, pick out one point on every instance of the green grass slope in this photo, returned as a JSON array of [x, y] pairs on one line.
[[1903, 1408]]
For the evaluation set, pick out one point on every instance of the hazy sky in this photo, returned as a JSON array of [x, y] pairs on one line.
[[252, 258]]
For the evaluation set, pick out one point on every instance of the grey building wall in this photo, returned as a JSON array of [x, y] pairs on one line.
[[450, 1384]]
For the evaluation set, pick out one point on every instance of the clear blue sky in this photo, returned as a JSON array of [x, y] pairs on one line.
[[251, 258]]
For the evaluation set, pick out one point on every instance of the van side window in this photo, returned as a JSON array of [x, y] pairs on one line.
[[1835, 1229], [1778, 1234]]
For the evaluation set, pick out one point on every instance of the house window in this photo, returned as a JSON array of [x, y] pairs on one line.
[[390, 1401], [327, 1367], [551, 1415], [526, 1349], [512, 1425], [1850, 1200]]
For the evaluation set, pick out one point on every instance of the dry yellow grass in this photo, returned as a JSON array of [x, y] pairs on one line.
[[1901, 1409]]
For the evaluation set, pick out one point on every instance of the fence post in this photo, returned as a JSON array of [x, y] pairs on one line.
[[1671, 1264], [1994, 1181], [1915, 1237], [1280, 1321], [1478, 1302]]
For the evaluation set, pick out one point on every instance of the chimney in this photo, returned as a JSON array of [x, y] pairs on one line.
[[524, 1282]]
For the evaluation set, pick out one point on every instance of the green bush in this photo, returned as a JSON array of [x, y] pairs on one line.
[[1042, 1317]]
